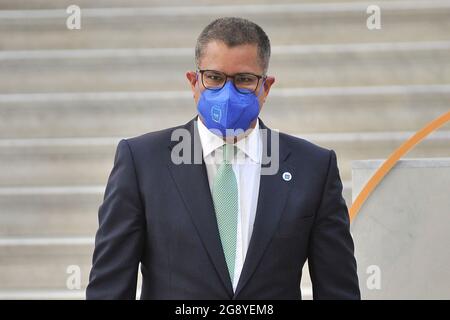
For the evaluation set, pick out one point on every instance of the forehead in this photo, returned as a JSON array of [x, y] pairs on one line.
[[242, 58]]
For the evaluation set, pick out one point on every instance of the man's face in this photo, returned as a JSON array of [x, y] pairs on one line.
[[240, 59]]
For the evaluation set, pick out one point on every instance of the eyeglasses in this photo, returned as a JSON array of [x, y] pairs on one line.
[[243, 82]]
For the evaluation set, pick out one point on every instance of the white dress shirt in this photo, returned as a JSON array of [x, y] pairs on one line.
[[247, 168]]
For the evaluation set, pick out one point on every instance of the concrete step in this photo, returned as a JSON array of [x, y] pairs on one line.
[[37, 268], [179, 27], [42, 263], [50, 211], [51, 4], [293, 66], [88, 161], [42, 294], [63, 162], [58, 211], [80, 294], [306, 110]]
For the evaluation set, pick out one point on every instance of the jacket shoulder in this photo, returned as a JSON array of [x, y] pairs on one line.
[[155, 139]]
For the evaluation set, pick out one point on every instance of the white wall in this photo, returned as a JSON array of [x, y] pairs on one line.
[[404, 229]]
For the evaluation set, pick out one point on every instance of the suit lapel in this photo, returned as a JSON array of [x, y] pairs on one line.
[[192, 183], [273, 193]]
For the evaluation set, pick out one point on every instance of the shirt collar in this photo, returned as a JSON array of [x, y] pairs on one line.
[[250, 145]]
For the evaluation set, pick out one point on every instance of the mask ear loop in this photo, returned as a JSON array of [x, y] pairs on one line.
[[262, 85], [197, 83]]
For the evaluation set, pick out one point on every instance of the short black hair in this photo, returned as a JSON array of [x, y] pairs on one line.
[[233, 32]]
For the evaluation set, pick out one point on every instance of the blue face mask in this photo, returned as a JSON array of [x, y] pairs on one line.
[[229, 109]]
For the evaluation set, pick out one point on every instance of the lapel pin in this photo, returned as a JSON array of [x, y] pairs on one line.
[[287, 176]]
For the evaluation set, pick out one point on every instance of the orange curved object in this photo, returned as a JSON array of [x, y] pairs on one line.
[[392, 160]]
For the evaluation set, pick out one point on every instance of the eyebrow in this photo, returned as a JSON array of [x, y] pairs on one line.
[[231, 75]]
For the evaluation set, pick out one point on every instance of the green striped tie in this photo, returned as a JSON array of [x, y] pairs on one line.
[[225, 198]]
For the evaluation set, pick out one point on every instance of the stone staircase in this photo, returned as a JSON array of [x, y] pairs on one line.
[[68, 96]]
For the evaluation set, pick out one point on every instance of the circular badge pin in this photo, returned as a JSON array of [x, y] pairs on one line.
[[287, 176]]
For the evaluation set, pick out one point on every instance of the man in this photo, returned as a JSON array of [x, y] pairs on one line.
[[224, 227]]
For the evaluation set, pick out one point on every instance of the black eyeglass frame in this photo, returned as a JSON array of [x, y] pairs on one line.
[[202, 71]]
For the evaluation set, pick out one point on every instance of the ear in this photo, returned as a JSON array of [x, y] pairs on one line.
[[192, 78], [267, 85]]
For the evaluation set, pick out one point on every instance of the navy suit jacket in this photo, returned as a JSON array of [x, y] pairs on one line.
[[160, 214]]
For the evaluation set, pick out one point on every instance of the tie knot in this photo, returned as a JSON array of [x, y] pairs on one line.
[[228, 152]]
